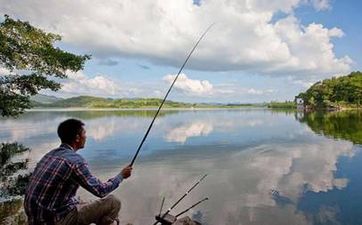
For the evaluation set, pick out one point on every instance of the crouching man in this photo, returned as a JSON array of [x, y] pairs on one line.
[[50, 195]]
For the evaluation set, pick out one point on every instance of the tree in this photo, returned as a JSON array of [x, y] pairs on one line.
[[344, 90], [32, 63]]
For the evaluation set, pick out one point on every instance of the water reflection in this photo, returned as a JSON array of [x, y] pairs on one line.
[[184, 131], [239, 183], [264, 167], [345, 125]]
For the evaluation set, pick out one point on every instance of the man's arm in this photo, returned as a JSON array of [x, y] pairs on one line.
[[92, 184]]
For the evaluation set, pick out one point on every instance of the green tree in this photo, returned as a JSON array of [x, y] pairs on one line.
[[33, 62], [341, 91]]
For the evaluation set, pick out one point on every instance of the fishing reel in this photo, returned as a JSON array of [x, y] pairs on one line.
[[168, 219]]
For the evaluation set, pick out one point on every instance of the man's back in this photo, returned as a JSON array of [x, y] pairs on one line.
[[51, 190], [50, 195]]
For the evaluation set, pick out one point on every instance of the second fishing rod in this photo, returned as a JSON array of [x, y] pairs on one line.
[[160, 217]]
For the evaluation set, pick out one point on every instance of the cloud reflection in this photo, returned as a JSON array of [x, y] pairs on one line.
[[276, 153], [185, 131], [239, 183], [196, 126]]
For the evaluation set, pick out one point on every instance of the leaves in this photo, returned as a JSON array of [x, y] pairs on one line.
[[7, 150], [30, 56], [345, 90], [11, 183]]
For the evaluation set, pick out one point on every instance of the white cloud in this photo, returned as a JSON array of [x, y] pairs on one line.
[[310, 48], [321, 4], [78, 83], [244, 38], [189, 86], [259, 92], [236, 91]]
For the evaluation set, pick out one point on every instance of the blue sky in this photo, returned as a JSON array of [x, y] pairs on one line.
[[258, 51]]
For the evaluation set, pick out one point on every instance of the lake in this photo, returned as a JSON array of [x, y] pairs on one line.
[[263, 166]]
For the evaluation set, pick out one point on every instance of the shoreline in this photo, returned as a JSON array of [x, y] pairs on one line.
[[138, 109]]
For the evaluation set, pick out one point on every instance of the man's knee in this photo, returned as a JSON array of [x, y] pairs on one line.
[[114, 202]]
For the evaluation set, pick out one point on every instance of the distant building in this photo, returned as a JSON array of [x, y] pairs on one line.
[[300, 104]]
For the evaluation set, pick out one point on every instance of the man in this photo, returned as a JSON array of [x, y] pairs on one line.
[[50, 195]]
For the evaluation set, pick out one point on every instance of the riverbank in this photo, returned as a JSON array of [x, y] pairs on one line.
[[51, 109]]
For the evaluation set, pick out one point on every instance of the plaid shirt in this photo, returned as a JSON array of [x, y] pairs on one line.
[[50, 194]]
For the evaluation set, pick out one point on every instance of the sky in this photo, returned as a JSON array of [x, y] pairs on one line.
[[257, 50]]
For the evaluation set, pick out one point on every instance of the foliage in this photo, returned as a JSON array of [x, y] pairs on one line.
[[32, 62], [282, 105], [98, 102], [136, 103], [345, 91], [11, 182]]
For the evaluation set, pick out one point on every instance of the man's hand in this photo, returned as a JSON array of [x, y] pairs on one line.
[[126, 172]]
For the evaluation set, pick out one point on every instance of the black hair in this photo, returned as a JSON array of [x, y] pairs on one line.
[[68, 130]]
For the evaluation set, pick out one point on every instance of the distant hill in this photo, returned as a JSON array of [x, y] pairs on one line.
[[99, 102], [44, 99], [341, 92]]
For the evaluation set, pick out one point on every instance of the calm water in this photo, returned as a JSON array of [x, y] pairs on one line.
[[264, 167]]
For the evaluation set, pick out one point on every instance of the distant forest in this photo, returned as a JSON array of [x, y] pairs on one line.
[[98, 102], [337, 92]]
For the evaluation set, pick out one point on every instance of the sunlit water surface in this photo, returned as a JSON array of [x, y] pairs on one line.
[[263, 167]]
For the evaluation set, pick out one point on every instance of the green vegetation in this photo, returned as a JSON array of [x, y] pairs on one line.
[[282, 105], [344, 125], [11, 182], [98, 102], [137, 103], [31, 60], [341, 92]]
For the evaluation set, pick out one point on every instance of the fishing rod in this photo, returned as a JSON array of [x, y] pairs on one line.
[[194, 205], [159, 217], [164, 99], [163, 201]]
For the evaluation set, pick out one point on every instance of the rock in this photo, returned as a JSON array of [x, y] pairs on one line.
[[185, 221]]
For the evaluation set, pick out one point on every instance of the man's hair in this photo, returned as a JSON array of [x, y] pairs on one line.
[[68, 130]]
